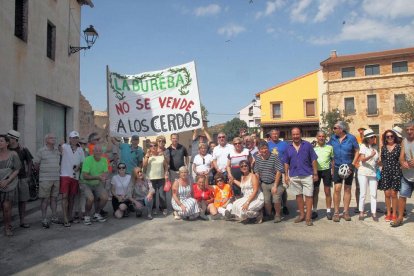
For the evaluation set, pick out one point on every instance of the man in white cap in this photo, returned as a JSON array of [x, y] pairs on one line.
[[72, 158], [24, 175]]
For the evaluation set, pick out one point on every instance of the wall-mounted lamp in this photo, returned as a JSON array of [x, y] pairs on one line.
[[90, 35]]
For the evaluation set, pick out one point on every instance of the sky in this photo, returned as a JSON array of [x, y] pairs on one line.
[[240, 47]]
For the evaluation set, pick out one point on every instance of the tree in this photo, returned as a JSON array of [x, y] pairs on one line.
[[231, 128], [204, 112], [407, 110], [330, 118]]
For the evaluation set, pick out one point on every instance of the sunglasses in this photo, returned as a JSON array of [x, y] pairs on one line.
[[335, 127], [152, 146], [221, 137], [121, 168], [244, 166], [219, 180], [236, 143], [389, 136]]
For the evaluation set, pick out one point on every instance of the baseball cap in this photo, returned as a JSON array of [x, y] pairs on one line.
[[13, 134], [73, 134]]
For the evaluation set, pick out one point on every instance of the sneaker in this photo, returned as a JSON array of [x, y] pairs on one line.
[[347, 217], [149, 217], [103, 213], [329, 215], [45, 224], [165, 212], [98, 217], [285, 211], [388, 218], [54, 220], [336, 217], [204, 217], [87, 220], [314, 215]]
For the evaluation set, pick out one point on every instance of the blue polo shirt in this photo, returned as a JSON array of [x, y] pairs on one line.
[[278, 148], [300, 162], [344, 152], [131, 157]]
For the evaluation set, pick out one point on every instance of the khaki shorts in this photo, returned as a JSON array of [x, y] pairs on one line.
[[302, 185], [91, 192], [267, 193], [23, 192], [49, 188]]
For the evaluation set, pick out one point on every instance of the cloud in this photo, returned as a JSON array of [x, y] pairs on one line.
[[325, 8], [231, 30], [212, 9], [298, 12], [271, 7], [389, 8], [367, 29]]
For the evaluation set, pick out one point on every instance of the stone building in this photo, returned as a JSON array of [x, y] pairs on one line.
[[39, 78], [369, 87], [86, 118]]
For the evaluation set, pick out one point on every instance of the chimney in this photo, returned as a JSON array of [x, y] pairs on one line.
[[333, 54]]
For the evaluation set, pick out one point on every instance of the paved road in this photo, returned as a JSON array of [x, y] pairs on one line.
[[134, 246]]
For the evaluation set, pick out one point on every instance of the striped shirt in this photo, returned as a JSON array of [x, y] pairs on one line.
[[49, 163], [266, 168]]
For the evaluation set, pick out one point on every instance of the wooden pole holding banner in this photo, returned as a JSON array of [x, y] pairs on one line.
[[107, 100]]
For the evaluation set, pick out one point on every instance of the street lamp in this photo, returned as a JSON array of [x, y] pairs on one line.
[[90, 35]]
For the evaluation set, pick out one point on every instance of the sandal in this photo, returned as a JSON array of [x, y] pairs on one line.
[[336, 217], [396, 223], [347, 217], [66, 224], [309, 222], [299, 219]]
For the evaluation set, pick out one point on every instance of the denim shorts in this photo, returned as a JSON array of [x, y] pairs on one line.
[[406, 188]]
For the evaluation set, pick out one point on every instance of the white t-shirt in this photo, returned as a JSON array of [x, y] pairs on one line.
[[368, 168], [203, 164], [121, 184], [70, 159], [220, 154]]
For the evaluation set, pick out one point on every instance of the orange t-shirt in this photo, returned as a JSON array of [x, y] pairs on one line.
[[221, 196]]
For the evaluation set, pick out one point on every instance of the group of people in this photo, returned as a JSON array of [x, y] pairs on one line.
[[245, 180]]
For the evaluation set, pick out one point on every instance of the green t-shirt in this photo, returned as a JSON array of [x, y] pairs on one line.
[[94, 168], [325, 155]]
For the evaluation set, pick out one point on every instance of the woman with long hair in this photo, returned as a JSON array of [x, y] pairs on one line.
[[119, 189], [391, 173], [9, 169], [141, 193]]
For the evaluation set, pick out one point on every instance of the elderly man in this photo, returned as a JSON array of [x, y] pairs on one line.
[[72, 158], [325, 171], [407, 167], [221, 153], [131, 154], [268, 169], [346, 148], [47, 164], [94, 176], [24, 174], [301, 170], [278, 147]]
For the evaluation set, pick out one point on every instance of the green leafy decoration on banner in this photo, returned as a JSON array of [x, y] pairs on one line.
[[187, 77]]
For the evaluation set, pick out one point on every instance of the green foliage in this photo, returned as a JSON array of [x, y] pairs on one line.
[[231, 128], [204, 112], [407, 114], [330, 118]]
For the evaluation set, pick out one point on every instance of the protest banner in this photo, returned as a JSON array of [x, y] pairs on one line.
[[153, 103]]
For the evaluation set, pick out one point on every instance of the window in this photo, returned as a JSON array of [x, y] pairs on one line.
[[51, 41], [372, 105], [21, 19], [399, 101], [398, 67], [349, 106], [310, 108], [348, 72], [372, 70], [277, 110], [251, 111]]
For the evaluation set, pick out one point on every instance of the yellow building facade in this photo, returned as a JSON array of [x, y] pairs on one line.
[[294, 103]]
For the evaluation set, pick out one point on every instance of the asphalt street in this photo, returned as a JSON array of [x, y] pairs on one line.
[[134, 246]]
